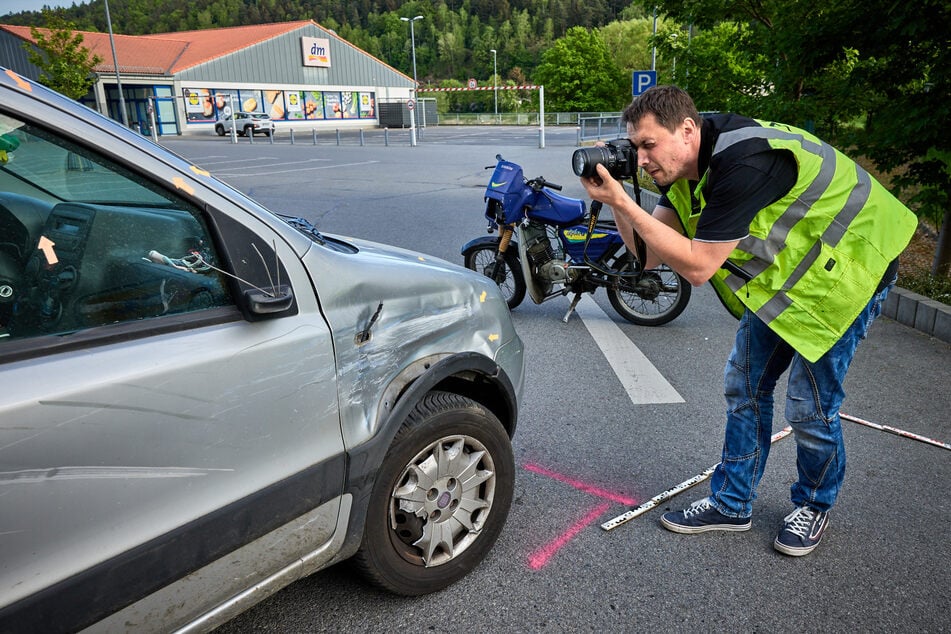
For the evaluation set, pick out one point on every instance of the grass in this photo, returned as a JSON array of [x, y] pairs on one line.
[[924, 283]]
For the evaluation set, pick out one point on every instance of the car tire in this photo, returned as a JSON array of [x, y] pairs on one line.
[[441, 497], [220, 130], [249, 130]]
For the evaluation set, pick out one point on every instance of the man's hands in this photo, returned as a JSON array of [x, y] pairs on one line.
[[695, 261], [605, 188]]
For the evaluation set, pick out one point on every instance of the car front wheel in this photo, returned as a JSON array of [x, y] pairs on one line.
[[441, 497]]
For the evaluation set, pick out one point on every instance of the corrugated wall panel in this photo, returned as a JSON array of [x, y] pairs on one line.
[[13, 56], [280, 61]]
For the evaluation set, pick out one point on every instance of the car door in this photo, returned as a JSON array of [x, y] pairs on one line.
[[149, 422]]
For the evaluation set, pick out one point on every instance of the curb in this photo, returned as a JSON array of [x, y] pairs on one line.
[[919, 312]]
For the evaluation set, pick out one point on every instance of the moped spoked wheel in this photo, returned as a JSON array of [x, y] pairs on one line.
[[507, 273], [654, 299]]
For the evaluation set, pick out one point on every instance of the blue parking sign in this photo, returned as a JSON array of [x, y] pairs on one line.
[[641, 80]]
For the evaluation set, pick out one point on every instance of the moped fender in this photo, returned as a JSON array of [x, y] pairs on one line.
[[485, 241], [535, 290]]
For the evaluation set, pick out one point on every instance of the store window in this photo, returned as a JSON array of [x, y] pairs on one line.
[[333, 107], [295, 104], [314, 105], [198, 104], [367, 105], [287, 105], [252, 100]]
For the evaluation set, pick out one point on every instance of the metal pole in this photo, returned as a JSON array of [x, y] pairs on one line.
[[115, 62], [412, 111], [152, 118], [654, 48], [541, 112], [495, 81]]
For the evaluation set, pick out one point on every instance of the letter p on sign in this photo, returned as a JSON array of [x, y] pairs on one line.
[[641, 80]]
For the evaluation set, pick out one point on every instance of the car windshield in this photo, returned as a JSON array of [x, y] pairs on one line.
[[35, 163], [258, 115]]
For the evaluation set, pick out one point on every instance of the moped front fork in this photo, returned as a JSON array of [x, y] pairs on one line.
[[505, 237]]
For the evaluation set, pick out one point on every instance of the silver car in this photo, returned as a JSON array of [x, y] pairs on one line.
[[203, 401], [245, 124]]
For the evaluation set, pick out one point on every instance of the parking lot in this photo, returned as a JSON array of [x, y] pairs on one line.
[[586, 450]]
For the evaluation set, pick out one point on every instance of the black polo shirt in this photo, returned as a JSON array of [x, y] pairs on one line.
[[742, 180]]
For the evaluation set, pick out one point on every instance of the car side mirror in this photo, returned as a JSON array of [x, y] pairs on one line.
[[268, 302]]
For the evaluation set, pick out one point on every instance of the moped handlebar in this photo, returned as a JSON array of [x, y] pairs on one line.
[[538, 183]]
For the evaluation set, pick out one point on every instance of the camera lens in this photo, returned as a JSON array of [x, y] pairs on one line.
[[585, 161]]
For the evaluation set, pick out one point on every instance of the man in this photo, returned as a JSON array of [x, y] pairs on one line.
[[801, 244]]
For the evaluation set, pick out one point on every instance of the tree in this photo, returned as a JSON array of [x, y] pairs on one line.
[[65, 64], [580, 75], [871, 76]]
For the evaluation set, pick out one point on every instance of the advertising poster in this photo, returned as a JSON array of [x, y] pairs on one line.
[[274, 104], [314, 105], [198, 106], [349, 105], [226, 102], [367, 105], [252, 101], [295, 105], [333, 109]]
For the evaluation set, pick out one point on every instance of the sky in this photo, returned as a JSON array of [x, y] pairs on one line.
[[15, 6]]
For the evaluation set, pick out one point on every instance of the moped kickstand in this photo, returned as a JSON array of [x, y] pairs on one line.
[[571, 308]]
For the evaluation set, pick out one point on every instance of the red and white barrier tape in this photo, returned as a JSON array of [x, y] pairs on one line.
[[700, 477]]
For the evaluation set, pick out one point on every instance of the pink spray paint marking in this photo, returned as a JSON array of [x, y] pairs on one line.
[[581, 486], [541, 556]]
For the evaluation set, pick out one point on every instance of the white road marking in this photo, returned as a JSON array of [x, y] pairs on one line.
[[643, 382], [265, 172]]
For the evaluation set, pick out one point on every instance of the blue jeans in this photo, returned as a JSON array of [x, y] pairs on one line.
[[814, 394]]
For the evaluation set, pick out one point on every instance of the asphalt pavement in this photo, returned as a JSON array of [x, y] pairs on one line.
[[586, 453]]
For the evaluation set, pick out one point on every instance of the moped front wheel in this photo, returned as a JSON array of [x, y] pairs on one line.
[[507, 273], [653, 298]]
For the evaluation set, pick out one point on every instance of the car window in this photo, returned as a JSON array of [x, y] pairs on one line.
[[85, 242]]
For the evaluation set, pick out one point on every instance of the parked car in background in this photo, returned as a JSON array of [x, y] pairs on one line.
[[204, 401], [245, 124]]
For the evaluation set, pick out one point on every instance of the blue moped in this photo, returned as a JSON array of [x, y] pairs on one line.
[[550, 246]]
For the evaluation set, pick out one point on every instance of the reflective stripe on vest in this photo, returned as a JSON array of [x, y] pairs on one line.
[[783, 263]]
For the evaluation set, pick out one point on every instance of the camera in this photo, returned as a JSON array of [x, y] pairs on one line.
[[619, 156]]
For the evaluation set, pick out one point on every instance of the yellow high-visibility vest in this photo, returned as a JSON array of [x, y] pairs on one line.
[[813, 258]]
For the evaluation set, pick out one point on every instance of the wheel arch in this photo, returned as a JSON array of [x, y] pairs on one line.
[[469, 374]]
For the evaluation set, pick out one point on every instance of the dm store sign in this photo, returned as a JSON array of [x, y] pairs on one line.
[[316, 51]]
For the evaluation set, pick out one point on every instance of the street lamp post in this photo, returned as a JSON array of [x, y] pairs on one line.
[[495, 81], [412, 111], [115, 62]]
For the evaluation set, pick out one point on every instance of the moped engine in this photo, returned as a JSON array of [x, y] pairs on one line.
[[541, 254]]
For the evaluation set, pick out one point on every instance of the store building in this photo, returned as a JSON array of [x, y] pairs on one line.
[[299, 73]]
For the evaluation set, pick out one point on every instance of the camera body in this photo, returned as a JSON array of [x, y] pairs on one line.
[[618, 156]]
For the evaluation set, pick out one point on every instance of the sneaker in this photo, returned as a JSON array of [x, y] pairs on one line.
[[702, 516], [802, 531]]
